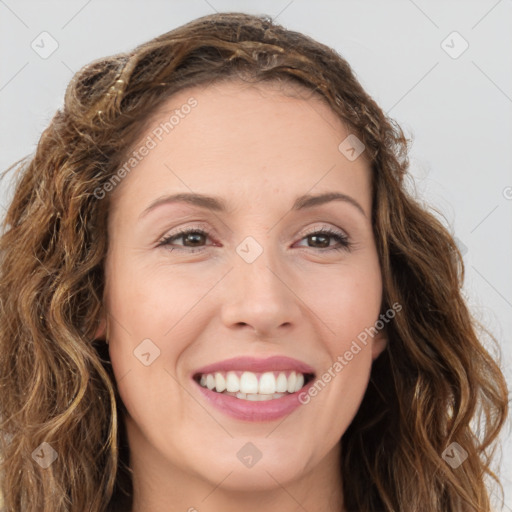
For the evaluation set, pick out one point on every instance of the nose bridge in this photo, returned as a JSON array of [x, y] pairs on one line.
[[258, 295], [254, 267]]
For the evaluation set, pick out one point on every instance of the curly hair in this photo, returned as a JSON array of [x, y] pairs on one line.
[[426, 390]]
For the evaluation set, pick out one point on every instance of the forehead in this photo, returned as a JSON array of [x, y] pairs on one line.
[[245, 140]]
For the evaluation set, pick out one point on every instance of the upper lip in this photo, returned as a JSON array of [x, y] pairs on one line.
[[253, 364]]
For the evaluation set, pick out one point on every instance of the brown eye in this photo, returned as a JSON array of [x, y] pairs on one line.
[[191, 238], [321, 237], [196, 238]]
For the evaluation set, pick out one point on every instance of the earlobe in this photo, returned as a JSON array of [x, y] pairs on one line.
[[379, 344], [101, 331]]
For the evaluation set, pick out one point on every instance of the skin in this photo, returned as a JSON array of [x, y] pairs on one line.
[[258, 149]]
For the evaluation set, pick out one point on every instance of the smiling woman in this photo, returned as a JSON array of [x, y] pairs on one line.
[[217, 295]]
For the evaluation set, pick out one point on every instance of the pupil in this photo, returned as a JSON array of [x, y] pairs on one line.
[[195, 238], [316, 237], [191, 237]]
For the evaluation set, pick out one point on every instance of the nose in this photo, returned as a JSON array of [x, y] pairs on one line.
[[260, 296]]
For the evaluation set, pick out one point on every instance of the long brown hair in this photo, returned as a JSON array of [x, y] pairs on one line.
[[434, 379]]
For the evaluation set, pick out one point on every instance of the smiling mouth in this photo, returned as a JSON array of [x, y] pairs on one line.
[[254, 386]]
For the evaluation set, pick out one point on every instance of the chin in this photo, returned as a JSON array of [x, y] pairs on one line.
[[274, 467]]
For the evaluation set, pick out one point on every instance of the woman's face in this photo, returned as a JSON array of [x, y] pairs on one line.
[[263, 282]]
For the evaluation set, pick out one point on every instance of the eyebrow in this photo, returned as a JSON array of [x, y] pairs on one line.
[[217, 204]]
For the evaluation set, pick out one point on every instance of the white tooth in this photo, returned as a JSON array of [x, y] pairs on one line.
[[210, 381], [300, 381], [248, 383], [281, 383], [291, 382], [203, 380], [255, 397], [220, 382], [232, 382], [267, 384]]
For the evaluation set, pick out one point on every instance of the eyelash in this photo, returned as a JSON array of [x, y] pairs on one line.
[[345, 244]]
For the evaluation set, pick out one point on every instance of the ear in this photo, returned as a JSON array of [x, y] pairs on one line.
[[101, 331], [379, 343]]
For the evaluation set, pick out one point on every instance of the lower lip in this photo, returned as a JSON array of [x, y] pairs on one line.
[[254, 411]]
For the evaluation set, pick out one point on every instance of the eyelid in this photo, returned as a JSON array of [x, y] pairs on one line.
[[344, 239], [326, 226], [207, 227], [204, 226], [201, 226]]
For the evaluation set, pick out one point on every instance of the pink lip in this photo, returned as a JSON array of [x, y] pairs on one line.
[[252, 364], [254, 411]]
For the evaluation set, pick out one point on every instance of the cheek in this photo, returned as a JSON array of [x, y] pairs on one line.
[[152, 320], [346, 299], [339, 388], [348, 304], [151, 301]]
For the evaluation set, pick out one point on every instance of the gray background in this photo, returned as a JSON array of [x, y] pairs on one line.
[[457, 108]]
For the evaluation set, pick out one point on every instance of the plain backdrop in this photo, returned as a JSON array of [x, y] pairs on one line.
[[442, 69]]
